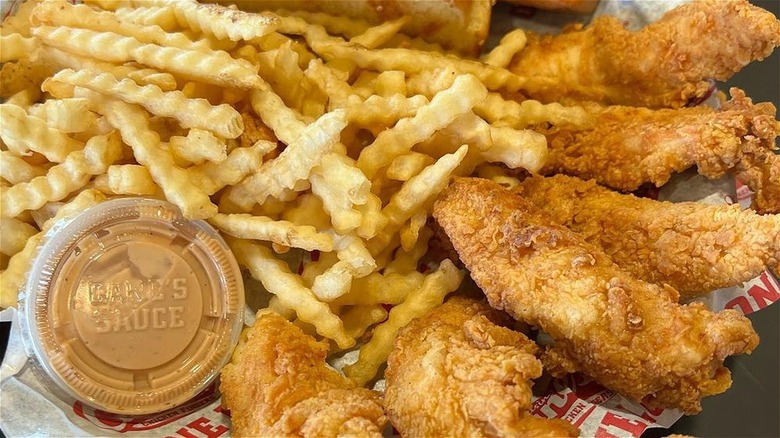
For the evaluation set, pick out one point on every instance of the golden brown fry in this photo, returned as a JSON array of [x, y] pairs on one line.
[[277, 279], [23, 133], [278, 384], [457, 372], [62, 179], [666, 64], [630, 336], [429, 295], [214, 67], [133, 124], [15, 170], [693, 247], [13, 278]]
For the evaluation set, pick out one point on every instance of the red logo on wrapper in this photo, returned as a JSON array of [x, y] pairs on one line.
[[761, 292], [122, 423]]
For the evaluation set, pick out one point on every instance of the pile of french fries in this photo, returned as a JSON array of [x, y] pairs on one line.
[[282, 130]]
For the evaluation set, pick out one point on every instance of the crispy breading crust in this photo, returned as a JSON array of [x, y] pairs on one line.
[[629, 335], [666, 64], [631, 146], [278, 384], [458, 372], [693, 247]]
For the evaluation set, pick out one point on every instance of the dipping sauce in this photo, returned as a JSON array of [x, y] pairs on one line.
[[131, 308]]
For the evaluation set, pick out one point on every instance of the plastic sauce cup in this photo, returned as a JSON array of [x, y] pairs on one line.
[[131, 308]]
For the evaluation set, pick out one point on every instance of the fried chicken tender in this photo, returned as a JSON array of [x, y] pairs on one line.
[[278, 385], [666, 64], [458, 372], [630, 336], [631, 146], [690, 246]]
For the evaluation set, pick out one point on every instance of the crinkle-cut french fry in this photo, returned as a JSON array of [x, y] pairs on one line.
[[517, 148], [282, 120], [198, 147], [220, 21], [341, 186], [199, 90], [386, 288], [315, 268], [15, 170], [213, 67], [14, 234], [14, 47], [164, 17], [420, 301], [332, 283], [23, 133], [498, 174], [24, 98], [332, 82], [275, 305], [294, 164], [384, 111], [222, 120], [308, 210], [63, 179], [133, 124], [408, 165], [353, 251], [465, 92], [246, 226], [130, 179], [407, 262], [365, 84], [277, 279], [531, 112], [65, 115], [354, 262], [390, 83], [357, 319], [430, 82], [410, 231], [334, 24], [416, 194], [373, 219], [142, 76], [510, 44], [25, 74], [13, 278], [288, 79], [412, 61], [62, 13], [404, 41], [211, 177], [19, 22], [275, 40], [110, 5], [376, 36]]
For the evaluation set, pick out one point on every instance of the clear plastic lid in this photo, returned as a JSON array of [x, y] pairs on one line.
[[131, 308]]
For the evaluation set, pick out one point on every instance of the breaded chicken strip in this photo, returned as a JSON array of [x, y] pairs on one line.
[[631, 336], [666, 64], [278, 385], [693, 247], [631, 146], [458, 372]]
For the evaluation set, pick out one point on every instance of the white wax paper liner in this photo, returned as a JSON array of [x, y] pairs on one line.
[[28, 408]]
